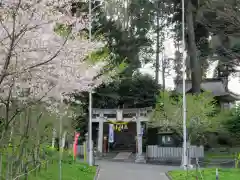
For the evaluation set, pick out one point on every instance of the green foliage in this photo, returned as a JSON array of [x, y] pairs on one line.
[[62, 30], [80, 121], [137, 91], [207, 174], [200, 114], [39, 130], [201, 32], [125, 43], [99, 55], [218, 18], [232, 123]]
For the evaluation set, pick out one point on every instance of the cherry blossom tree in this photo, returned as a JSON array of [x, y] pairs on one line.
[[39, 65], [32, 53]]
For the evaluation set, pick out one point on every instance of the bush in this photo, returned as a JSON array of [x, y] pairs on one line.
[[232, 124]]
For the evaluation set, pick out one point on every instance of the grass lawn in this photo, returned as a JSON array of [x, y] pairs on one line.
[[74, 171], [208, 174], [213, 155], [71, 170]]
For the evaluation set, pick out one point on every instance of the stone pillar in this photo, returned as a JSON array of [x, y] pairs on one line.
[[139, 138], [139, 157], [100, 135]]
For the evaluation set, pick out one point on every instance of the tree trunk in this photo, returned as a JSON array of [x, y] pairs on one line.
[[163, 71], [177, 63], [223, 65], [157, 49], [192, 50]]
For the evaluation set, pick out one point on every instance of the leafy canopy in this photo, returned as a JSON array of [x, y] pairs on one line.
[[168, 114], [231, 121]]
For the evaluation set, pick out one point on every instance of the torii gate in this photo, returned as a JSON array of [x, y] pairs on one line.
[[137, 115]]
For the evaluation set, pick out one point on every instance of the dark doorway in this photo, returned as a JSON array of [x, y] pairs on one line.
[[124, 140]]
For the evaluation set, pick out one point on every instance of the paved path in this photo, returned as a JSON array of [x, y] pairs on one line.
[[131, 171], [122, 156]]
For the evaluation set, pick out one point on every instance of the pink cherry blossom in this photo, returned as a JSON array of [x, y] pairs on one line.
[[34, 57]]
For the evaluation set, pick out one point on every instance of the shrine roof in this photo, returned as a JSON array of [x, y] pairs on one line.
[[215, 86]]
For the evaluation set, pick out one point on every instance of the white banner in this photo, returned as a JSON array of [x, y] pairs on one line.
[[142, 130], [111, 133]]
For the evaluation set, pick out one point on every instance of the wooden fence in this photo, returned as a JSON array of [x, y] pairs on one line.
[[81, 150], [155, 152]]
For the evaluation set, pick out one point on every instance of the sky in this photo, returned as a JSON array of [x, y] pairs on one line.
[[234, 83]]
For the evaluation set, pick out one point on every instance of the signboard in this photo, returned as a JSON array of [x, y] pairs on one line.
[[118, 126]]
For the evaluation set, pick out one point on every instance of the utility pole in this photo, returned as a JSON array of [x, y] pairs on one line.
[[60, 137], [163, 69], [185, 155], [90, 145], [90, 155], [157, 45]]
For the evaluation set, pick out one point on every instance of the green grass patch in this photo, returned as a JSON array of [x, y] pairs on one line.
[[214, 155], [49, 169], [70, 171], [207, 174]]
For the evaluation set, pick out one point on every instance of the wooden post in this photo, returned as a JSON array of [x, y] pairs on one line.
[[196, 168], [0, 166], [100, 134], [11, 169], [8, 167], [237, 158], [87, 147], [21, 166], [105, 144], [25, 172], [136, 139], [46, 165], [85, 151]]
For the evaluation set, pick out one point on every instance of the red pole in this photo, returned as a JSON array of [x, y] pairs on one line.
[[75, 145]]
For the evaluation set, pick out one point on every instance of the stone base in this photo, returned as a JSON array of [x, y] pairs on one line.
[[189, 166], [140, 159]]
